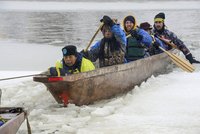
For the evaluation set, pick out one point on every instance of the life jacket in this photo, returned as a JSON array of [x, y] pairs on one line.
[[134, 50], [111, 52]]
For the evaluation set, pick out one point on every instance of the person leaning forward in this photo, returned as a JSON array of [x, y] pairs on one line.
[[165, 35], [110, 50], [137, 42], [72, 62]]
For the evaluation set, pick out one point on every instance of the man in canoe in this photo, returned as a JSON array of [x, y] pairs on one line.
[[137, 40], [156, 43], [169, 38], [72, 62], [110, 50]]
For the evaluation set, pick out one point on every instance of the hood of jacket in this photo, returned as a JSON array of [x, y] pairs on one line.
[[126, 19]]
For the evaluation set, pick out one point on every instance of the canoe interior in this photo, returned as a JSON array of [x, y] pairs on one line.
[[14, 117]]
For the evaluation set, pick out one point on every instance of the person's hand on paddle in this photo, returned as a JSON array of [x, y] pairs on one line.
[[107, 21], [156, 45], [53, 72], [191, 59], [85, 53], [164, 39], [135, 34]]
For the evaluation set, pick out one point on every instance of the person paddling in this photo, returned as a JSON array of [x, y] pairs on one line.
[[110, 50], [137, 40], [169, 37], [72, 62]]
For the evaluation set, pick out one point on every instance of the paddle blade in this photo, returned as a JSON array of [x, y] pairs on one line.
[[182, 63]]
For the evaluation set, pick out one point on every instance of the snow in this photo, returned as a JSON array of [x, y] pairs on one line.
[[74, 6], [167, 103]]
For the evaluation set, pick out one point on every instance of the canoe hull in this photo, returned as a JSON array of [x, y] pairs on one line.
[[104, 83]]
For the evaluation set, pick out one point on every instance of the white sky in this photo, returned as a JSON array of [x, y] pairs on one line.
[[74, 6]]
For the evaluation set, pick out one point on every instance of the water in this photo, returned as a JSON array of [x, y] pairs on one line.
[[32, 40], [77, 27]]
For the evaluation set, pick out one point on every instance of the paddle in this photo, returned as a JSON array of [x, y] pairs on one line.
[[20, 77], [174, 46], [94, 36], [168, 42], [183, 64]]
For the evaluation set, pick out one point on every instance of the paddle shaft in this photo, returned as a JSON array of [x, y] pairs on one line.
[[19, 77], [94, 37]]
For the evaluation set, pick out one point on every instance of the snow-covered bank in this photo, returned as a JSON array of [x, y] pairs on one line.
[[74, 6], [165, 104]]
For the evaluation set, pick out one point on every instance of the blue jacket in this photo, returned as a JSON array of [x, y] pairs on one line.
[[118, 34], [146, 38]]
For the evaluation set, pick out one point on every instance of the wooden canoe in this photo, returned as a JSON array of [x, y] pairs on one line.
[[13, 117], [103, 83]]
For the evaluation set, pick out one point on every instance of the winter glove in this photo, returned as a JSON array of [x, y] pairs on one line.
[[135, 35], [191, 58], [107, 21], [84, 53], [156, 45], [53, 71]]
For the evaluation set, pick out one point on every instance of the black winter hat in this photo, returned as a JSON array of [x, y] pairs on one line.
[[69, 50], [129, 18], [160, 16]]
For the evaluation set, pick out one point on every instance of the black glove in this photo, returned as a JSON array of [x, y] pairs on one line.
[[191, 58], [136, 35], [156, 45], [84, 53], [107, 21], [53, 71]]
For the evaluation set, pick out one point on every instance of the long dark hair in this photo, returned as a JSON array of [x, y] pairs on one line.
[[113, 45]]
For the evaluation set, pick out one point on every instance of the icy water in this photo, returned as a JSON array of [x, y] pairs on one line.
[[31, 37]]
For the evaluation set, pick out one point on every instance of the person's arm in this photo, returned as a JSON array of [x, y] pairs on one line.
[[142, 36], [181, 46], [146, 37], [93, 53], [158, 42], [119, 34]]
